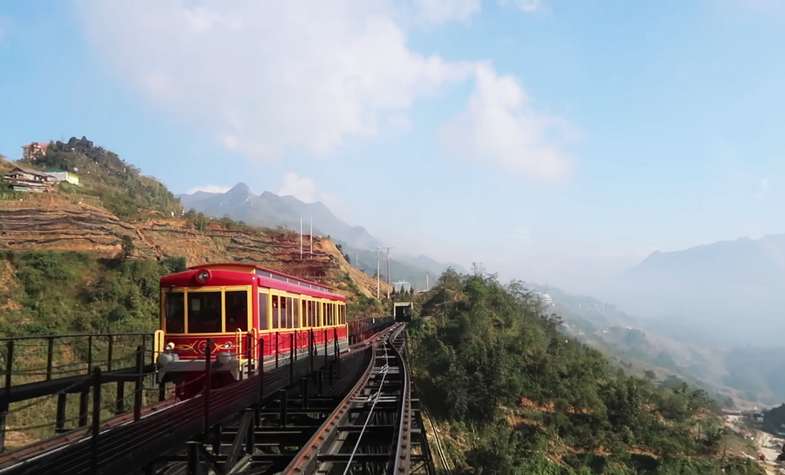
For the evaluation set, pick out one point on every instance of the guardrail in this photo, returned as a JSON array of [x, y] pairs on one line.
[[61, 365]]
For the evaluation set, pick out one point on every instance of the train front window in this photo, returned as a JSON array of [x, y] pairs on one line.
[[174, 312], [204, 312], [236, 310]]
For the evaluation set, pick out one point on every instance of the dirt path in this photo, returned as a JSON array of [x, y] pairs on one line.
[[766, 444], [770, 447]]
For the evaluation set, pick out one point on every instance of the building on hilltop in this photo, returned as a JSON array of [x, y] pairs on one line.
[[23, 179], [34, 150]]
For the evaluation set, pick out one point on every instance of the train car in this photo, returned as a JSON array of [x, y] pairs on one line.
[[249, 313]]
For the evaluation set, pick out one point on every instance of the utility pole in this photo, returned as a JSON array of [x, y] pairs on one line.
[[301, 238], [389, 279], [311, 234], [378, 283]]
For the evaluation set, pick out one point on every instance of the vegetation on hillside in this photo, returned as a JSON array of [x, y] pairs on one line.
[[119, 185], [66, 292], [520, 397]]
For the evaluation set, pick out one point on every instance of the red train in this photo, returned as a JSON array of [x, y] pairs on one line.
[[250, 313]]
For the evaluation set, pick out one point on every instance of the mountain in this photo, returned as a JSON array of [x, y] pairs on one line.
[[745, 375], [730, 292], [271, 210]]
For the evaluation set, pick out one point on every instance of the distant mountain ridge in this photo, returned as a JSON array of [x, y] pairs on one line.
[[271, 210], [728, 292]]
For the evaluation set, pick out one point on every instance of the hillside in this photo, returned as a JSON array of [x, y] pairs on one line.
[[106, 178], [633, 345], [513, 394], [146, 224]]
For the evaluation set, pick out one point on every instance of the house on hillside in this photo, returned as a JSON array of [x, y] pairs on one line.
[[68, 177], [34, 150], [23, 179]]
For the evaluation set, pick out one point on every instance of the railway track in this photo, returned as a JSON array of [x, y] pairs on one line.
[[370, 430]]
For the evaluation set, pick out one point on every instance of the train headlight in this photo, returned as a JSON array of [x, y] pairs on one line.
[[169, 346], [202, 277], [164, 359]]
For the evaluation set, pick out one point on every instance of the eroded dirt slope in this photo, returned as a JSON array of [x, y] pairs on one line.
[[69, 223]]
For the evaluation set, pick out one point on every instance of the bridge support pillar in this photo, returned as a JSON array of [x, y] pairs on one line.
[[60, 416], [283, 398], [194, 458], [304, 391], [3, 414]]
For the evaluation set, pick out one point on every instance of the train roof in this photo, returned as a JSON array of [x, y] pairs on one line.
[[233, 273]]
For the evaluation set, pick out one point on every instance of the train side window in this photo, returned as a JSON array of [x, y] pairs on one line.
[[174, 312], [295, 313], [236, 310], [321, 314], [284, 314], [290, 315], [204, 312], [262, 311], [276, 308], [303, 313]]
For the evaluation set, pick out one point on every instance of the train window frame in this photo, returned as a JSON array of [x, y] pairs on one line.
[[188, 308], [283, 313], [248, 306], [264, 302], [275, 307], [165, 313]]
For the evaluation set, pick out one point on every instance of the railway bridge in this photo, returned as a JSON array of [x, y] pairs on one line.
[[320, 410]]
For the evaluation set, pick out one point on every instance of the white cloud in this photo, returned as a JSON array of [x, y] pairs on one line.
[[302, 188], [501, 126], [443, 11], [526, 6], [210, 189], [269, 76], [305, 189]]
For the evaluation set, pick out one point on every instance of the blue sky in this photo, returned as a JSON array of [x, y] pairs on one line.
[[555, 141]]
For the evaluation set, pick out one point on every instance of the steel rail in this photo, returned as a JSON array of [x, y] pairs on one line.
[[313, 452], [403, 448]]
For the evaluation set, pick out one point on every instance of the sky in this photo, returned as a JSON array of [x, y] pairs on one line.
[[552, 141]]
